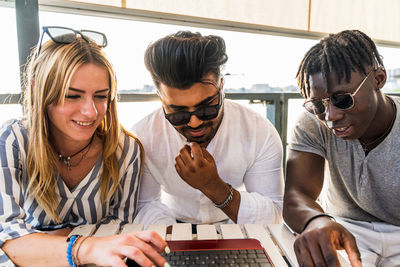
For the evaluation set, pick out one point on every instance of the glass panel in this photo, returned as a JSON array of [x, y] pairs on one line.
[[391, 60], [254, 64], [131, 112], [9, 67], [10, 111], [259, 107], [295, 108]]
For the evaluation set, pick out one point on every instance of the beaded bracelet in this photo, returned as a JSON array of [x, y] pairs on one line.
[[227, 200], [71, 243], [315, 217], [78, 246]]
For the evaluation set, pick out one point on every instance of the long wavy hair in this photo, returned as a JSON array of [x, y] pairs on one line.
[[46, 81]]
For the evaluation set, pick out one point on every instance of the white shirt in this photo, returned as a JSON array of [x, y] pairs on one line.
[[248, 153]]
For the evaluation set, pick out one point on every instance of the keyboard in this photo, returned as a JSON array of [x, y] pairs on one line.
[[248, 258], [233, 252]]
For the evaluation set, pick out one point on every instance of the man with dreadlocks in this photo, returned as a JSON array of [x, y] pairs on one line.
[[350, 126]]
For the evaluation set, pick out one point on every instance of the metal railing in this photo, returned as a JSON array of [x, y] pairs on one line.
[[276, 105]]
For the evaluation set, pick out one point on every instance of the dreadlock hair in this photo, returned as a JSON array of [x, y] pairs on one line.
[[341, 53], [181, 59]]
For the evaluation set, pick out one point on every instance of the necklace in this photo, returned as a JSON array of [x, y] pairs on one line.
[[369, 146], [67, 159]]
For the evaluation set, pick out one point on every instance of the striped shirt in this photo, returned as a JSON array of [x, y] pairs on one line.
[[19, 211]]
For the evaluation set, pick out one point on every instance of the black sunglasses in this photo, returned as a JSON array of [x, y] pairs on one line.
[[63, 35], [342, 101], [204, 113]]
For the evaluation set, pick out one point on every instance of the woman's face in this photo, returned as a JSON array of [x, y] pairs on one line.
[[84, 107]]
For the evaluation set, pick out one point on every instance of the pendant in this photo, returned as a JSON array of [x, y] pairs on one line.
[[66, 161]]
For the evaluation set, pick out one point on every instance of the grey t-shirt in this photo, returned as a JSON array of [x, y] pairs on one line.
[[356, 186]]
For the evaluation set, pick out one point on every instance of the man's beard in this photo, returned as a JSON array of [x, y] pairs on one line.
[[201, 139], [205, 139]]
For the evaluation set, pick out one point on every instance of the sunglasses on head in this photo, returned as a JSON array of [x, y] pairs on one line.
[[204, 113], [63, 35], [342, 101]]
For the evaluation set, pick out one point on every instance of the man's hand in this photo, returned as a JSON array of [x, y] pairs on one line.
[[318, 243], [197, 167]]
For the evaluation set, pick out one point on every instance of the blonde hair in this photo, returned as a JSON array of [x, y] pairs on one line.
[[46, 82]]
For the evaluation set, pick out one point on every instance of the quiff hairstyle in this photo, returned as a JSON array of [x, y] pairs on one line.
[[181, 59]]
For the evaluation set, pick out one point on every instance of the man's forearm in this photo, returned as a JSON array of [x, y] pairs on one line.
[[219, 194], [298, 209], [232, 208]]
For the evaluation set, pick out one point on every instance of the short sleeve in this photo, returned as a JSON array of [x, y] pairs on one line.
[[309, 135]]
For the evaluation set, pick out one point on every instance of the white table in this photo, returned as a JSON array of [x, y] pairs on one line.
[[276, 239]]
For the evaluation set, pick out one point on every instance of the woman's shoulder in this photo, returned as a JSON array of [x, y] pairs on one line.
[[13, 129], [127, 138], [13, 138], [129, 144]]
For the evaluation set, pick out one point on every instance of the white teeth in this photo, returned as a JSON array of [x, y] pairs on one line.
[[341, 129], [84, 123]]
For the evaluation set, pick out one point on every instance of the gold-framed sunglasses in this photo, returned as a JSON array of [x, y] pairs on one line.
[[344, 101]]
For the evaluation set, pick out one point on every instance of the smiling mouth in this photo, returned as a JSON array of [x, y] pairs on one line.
[[342, 132], [341, 129], [81, 123]]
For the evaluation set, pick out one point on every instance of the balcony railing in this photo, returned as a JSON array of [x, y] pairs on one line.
[[277, 105]]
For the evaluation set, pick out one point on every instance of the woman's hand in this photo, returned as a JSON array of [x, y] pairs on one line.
[[61, 232], [142, 247]]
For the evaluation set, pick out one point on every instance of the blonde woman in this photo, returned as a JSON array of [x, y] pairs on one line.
[[69, 162]]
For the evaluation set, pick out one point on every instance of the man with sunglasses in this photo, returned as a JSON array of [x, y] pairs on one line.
[[213, 159], [350, 127]]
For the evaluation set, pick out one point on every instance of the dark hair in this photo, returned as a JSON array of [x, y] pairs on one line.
[[179, 60], [341, 53]]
